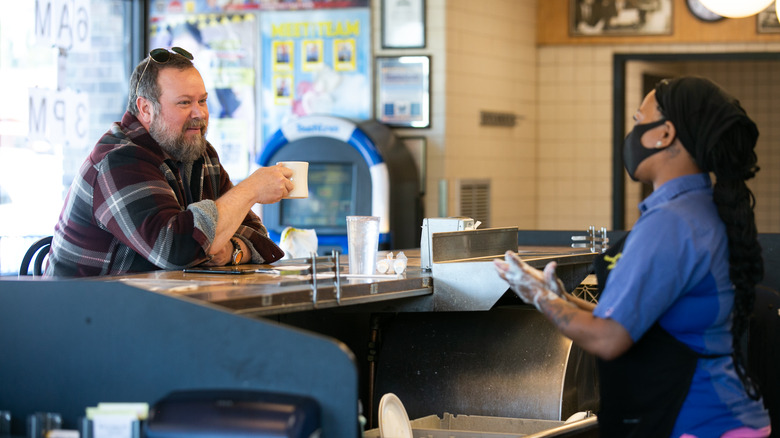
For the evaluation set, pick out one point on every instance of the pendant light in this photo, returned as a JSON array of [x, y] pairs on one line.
[[736, 8]]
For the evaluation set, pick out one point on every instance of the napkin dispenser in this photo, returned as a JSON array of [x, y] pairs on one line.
[[439, 225], [220, 413]]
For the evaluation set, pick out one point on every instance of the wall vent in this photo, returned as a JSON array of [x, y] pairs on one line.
[[474, 200]]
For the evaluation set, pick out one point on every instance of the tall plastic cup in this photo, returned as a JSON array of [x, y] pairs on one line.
[[5, 424], [40, 423], [362, 243]]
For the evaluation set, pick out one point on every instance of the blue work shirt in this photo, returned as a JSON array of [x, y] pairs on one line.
[[674, 269]]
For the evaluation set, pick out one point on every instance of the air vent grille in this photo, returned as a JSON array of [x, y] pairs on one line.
[[474, 200]]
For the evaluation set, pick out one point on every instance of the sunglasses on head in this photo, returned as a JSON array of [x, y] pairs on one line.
[[161, 56]]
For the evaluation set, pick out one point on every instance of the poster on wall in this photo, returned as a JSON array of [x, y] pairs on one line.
[[403, 91], [225, 50], [315, 62], [620, 17], [201, 6]]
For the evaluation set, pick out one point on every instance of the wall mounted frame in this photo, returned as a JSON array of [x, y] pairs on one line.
[[418, 147], [403, 91], [403, 24], [610, 18]]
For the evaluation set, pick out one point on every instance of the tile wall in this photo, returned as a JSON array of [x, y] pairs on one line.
[[756, 85], [553, 169], [574, 137], [491, 66], [574, 129]]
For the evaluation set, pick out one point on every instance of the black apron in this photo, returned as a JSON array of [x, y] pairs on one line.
[[643, 390]]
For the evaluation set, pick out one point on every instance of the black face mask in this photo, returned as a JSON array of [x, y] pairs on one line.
[[633, 151]]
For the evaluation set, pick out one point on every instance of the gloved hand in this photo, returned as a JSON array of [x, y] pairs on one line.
[[530, 284]]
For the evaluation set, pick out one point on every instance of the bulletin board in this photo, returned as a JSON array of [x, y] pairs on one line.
[[315, 62], [267, 62]]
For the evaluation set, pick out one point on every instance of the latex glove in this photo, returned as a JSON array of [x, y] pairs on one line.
[[530, 284]]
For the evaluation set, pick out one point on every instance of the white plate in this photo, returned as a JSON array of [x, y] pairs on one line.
[[393, 419]]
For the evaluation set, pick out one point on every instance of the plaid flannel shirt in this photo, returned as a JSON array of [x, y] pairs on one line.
[[127, 210]]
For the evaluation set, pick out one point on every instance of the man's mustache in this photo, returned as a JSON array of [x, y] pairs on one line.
[[196, 123]]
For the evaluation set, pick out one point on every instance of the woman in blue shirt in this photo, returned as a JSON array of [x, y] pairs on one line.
[[677, 292]]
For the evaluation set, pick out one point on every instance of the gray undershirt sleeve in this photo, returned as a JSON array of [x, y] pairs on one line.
[[205, 217]]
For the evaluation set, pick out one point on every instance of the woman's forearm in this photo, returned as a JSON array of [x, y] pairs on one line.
[[604, 338]]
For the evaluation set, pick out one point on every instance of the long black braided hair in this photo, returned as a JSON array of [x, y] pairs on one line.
[[719, 135]]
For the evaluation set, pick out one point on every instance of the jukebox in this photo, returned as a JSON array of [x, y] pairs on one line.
[[354, 169]]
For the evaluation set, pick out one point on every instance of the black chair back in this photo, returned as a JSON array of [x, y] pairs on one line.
[[37, 253]]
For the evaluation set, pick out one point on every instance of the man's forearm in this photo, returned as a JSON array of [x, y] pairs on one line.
[[232, 208]]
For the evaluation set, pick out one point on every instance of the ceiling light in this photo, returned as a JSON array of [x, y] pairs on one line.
[[736, 9]]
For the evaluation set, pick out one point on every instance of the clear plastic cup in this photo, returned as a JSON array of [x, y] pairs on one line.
[[40, 423], [5, 424], [362, 244]]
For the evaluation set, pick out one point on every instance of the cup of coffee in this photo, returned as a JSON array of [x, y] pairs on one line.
[[299, 178]]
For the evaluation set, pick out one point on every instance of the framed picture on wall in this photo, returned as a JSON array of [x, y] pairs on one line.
[[403, 91], [766, 21], [620, 17], [403, 24], [418, 147]]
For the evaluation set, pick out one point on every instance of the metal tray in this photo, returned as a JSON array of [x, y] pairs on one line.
[[475, 426]]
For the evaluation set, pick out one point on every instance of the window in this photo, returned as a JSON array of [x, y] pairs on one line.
[[56, 102]]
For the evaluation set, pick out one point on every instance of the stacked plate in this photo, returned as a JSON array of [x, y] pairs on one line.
[[393, 419]]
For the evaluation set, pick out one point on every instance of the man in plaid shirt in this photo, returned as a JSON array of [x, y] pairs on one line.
[[153, 195]]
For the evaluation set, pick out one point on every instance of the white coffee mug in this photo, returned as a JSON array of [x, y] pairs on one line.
[[299, 178]]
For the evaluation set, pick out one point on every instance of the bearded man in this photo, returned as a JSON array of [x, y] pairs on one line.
[[152, 194]]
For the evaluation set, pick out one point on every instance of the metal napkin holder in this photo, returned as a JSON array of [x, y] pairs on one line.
[[597, 243], [334, 261], [472, 245], [433, 225]]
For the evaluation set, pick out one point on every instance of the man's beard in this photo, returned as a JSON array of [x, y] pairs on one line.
[[177, 144]]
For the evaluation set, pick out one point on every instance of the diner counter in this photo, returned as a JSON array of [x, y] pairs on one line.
[[449, 340], [137, 337], [287, 286]]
